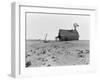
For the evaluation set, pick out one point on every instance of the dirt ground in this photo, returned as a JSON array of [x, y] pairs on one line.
[[53, 53]]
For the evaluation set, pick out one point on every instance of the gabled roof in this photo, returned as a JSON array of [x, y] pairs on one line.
[[64, 32]]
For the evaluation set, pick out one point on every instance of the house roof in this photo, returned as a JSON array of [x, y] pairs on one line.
[[64, 32]]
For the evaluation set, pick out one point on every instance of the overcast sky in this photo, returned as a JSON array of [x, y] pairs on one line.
[[37, 25]]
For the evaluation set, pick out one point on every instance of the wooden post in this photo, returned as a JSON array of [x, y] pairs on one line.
[[45, 36]]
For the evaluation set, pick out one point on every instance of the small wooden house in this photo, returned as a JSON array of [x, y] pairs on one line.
[[68, 35]]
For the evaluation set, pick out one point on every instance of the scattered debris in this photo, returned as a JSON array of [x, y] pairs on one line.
[[43, 63], [52, 57], [58, 54], [28, 63], [48, 65], [81, 56], [39, 58], [87, 51]]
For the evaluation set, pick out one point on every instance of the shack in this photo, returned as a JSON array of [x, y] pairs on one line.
[[68, 35]]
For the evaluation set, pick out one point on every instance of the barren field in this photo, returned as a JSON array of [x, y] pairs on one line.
[[53, 53]]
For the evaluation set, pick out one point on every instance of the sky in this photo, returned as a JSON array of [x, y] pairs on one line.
[[38, 25]]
